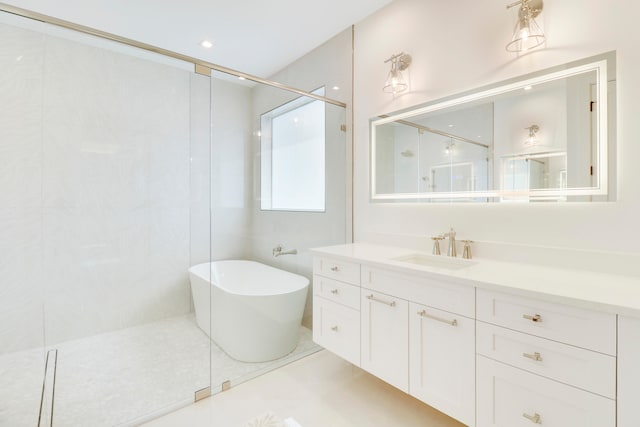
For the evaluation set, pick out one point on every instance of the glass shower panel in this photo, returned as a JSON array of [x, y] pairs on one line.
[[247, 120], [22, 356], [118, 234], [104, 207]]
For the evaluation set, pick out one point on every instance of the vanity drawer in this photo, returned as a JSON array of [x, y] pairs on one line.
[[337, 269], [440, 294], [337, 328], [510, 397], [583, 328], [336, 291], [585, 369]]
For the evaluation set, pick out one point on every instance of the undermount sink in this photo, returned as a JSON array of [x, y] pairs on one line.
[[435, 261]]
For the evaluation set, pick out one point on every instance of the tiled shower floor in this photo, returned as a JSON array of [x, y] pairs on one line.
[[120, 377]]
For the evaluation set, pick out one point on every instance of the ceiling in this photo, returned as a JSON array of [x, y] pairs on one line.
[[258, 37]]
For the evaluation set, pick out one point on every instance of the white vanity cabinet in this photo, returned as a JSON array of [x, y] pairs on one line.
[[486, 353], [336, 307], [543, 363]]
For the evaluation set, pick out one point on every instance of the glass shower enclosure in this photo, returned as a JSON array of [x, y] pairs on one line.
[[99, 198], [120, 170]]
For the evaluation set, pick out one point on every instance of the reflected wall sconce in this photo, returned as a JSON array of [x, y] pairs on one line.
[[395, 81], [527, 34], [449, 146], [532, 139]]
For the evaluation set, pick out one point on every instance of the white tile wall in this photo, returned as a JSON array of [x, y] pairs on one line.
[[231, 185], [94, 189], [21, 81], [200, 166]]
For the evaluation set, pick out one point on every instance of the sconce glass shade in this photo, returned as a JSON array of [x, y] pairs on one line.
[[395, 81], [532, 139], [449, 147], [527, 33]]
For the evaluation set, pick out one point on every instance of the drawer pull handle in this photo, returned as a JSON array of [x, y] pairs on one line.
[[535, 418], [535, 356], [424, 314], [334, 268], [334, 291], [535, 318], [372, 298], [334, 328]]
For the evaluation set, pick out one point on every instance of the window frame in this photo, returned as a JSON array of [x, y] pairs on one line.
[[266, 137]]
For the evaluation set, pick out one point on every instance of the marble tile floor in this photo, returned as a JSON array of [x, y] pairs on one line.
[[321, 390], [125, 377]]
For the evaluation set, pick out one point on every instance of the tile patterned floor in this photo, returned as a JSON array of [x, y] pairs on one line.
[[123, 377]]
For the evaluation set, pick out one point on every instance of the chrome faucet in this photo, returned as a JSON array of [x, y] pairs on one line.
[[279, 250], [451, 235]]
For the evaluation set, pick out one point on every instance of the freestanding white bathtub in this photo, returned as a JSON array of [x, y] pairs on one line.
[[256, 310]]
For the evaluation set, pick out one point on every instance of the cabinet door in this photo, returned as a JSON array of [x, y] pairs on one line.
[[385, 337], [510, 397], [442, 361], [337, 328], [628, 372]]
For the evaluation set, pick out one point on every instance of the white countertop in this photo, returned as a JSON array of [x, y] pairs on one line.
[[598, 291]]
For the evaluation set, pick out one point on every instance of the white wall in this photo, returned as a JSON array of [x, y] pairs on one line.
[[459, 45], [328, 65], [200, 211], [94, 190], [231, 170]]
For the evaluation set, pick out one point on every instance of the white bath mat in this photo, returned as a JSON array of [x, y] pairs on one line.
[[269, 419]]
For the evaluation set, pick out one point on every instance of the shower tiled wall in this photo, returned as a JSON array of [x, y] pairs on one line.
[[21, 84], [94, 189]]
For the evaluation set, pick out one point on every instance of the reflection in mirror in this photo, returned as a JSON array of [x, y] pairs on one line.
[[521, 173], [538, 138]]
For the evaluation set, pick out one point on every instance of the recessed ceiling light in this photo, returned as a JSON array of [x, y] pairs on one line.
[[336, 88], [528, 87], [206, 44], [450, 126], [241, 78]]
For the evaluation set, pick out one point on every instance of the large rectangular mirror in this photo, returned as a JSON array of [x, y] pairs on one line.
[[540, 137]]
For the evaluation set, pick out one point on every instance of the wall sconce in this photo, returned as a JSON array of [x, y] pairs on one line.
[[532, 139], [527, 34], [395, 81]]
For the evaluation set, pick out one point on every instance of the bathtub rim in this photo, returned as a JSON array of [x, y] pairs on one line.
[[205, 273]]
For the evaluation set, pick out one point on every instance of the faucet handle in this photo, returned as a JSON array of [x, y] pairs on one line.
[[436, 244], [466, 253]]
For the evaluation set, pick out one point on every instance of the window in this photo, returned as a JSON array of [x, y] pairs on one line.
[[293, 156]]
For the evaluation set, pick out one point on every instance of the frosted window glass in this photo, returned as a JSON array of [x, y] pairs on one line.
[[293, 158]]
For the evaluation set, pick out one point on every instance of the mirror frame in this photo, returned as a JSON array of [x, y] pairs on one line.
[[599, 64]]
